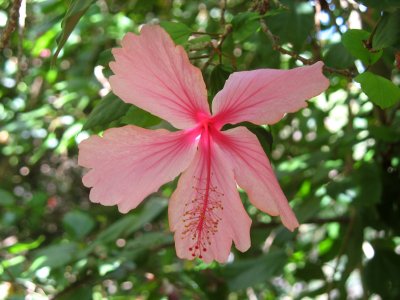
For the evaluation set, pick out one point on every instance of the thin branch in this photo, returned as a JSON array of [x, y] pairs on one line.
[[208, 62], [332, 17], [200, 56], [345, 72], [223, 9], [228, 30], [206, 33], [11, 24], [218, 48], [21, 31]]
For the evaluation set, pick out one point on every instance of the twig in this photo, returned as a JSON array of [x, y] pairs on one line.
[[11, 24], [345, 72], [276, 45], [218, 48], [206, 33], [200, 56], [223, 9], [21, 31], [208, 62], [333, 19], [228, 30]]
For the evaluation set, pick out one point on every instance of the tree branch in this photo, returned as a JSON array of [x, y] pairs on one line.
[[11, 24]]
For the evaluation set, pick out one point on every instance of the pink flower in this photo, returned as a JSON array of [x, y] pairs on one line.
[[129, 163]]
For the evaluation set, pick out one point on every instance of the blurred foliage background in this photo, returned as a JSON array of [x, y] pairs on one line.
[[337, 160]]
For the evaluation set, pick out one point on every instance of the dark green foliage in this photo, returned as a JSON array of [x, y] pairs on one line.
[[245, 25], [219, 74], [388, 31], [337, 160], [179, 32], [109, 109], [76, 10], [338, 56]]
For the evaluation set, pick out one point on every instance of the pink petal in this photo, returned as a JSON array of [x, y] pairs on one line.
[[129, 163], [254, 174], [264, 96], [210, 222], [155, 75]]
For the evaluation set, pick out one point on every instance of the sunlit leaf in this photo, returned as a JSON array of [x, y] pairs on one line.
[[179, 32], [379, 90], [76, 10], [355, 40], [54, 256]]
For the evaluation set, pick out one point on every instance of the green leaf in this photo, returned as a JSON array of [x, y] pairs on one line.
[[369, 184], [116, 230], [109, 109], [140, 117], [105, 57], [81, 292], [131, 223], [385, 133], [310, 271], [388, 31], [379, 90], [354, 40], [218, 77], [152, 208], [294, 25], [244, 25], [145, 242], [381, 274], [264, 136], [6, 198], [76, 10], [246, 273], [338, 56], [54, 256], [78, 224], [21, 247], [381, 4], [354, 247], [179, 32]]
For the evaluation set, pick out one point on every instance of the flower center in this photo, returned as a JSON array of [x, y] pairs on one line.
[[202, 213]]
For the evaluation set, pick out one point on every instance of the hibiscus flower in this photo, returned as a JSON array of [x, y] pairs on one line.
[[129, 163]]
